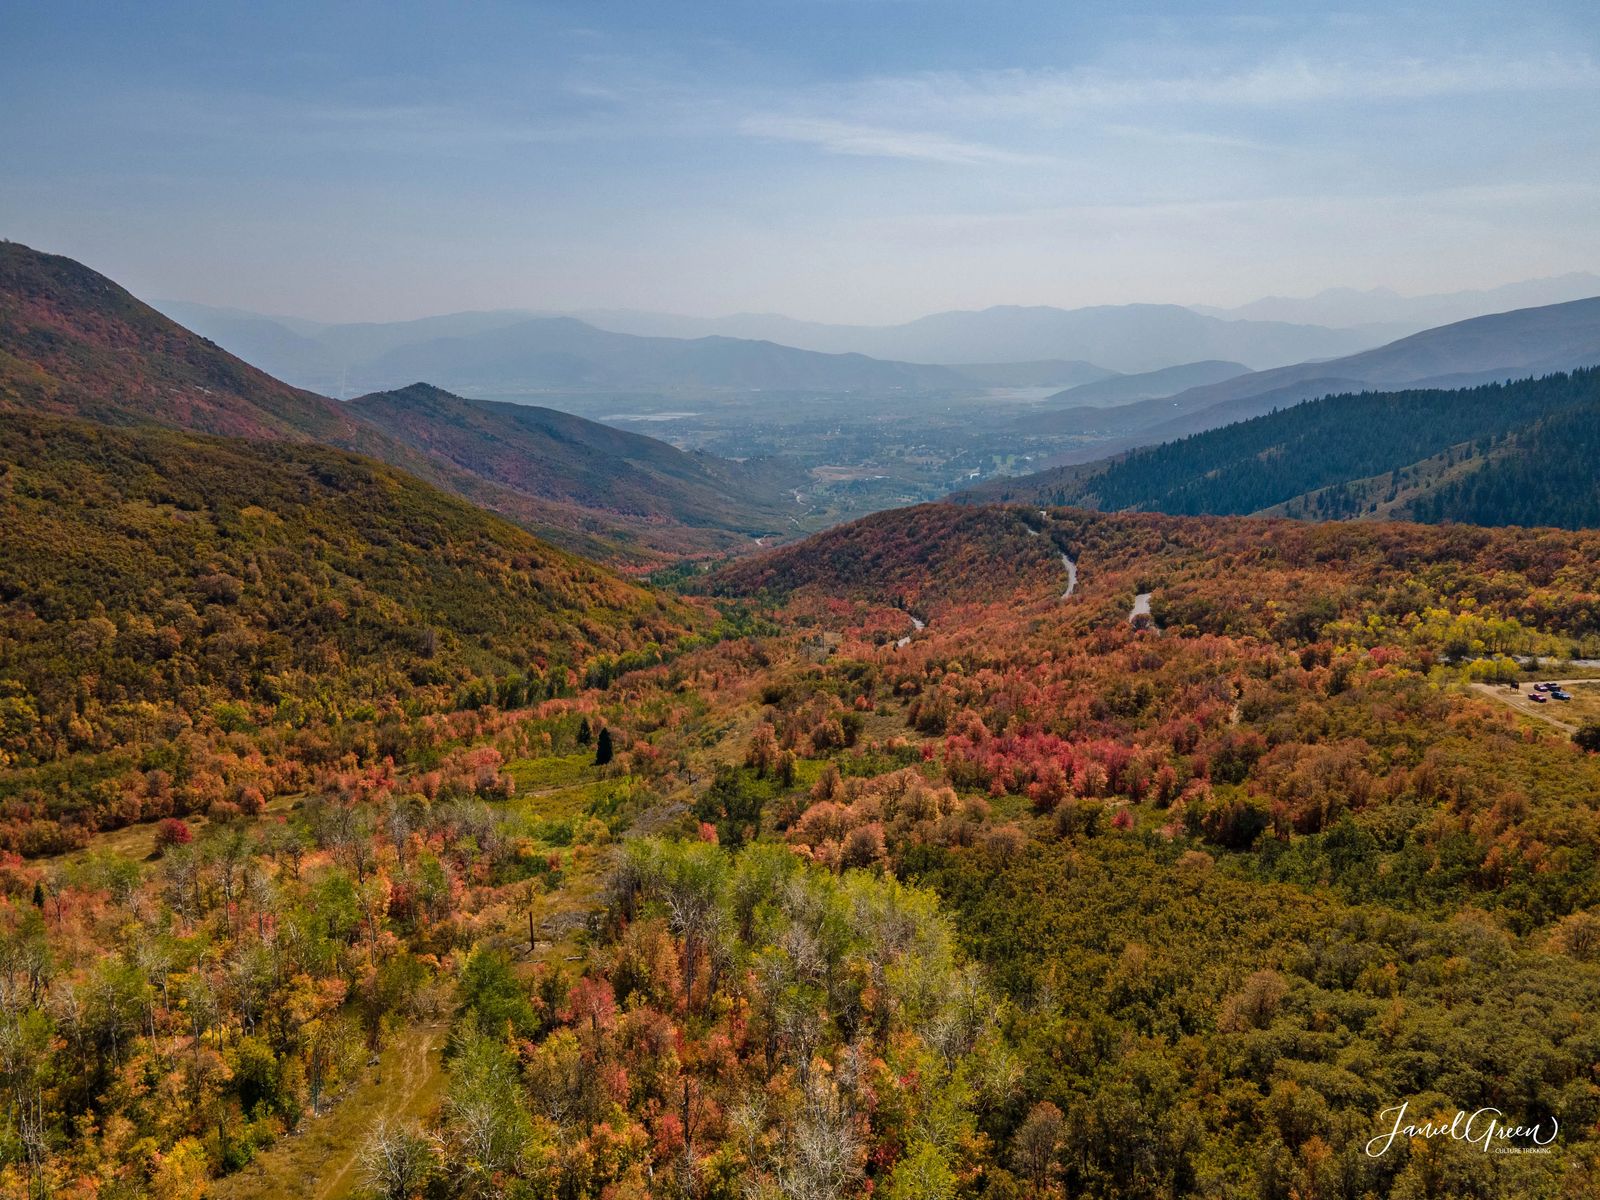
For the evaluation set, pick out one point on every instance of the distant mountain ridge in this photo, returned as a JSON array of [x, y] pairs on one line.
[[346, 359], [562, 352], [507, 352], [1124, 338], [340, 359], [1343, 308], [1518, 344], [1148, 385]]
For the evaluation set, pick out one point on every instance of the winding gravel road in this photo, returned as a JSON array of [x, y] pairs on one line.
[[917, 626], [1072, 567]]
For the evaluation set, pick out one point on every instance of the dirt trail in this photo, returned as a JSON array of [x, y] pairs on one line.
[[322, 1161]]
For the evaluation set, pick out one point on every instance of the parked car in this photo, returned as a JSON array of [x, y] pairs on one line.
[[1539, 698], [1560, 695], [1542, 687]]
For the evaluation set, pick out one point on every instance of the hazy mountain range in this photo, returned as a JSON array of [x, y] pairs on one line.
[[508, 352], [1527, 342], [1123, 338], [515, 353], [500, 353], [511, 353], [1348, 308]]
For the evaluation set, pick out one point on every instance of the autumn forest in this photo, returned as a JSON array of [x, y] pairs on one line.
[[424, 798]]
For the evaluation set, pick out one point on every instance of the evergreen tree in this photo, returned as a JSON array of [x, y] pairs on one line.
[[603, 751], [1395, 439]]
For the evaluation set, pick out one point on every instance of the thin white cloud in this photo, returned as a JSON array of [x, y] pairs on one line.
[[866, 141], [1047, 97], [1006, 117]]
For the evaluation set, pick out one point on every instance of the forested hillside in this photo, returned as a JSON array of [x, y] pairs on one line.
[[157, 584], [1043, 901], [1499, 454], [1544, 474], [556, 456], [74, 343], [922, 558]]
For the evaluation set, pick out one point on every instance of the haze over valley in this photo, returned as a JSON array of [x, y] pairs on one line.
[[1000, 393]]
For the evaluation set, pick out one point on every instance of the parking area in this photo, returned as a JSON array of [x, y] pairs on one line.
[[1582, 709]]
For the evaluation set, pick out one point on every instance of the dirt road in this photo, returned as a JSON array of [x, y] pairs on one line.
[[1072, 567]]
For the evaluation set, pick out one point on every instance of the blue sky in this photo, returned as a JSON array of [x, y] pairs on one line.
[[861, 160]]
